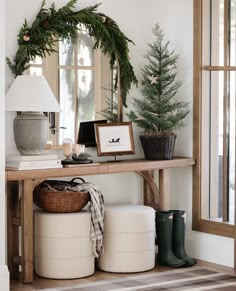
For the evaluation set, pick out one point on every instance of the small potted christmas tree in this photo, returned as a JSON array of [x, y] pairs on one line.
[[159, 113]]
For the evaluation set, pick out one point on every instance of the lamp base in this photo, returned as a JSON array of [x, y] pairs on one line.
[[30, 133]]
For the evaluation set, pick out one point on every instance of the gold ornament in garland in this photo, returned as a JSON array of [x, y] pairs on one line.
[[52, 25]]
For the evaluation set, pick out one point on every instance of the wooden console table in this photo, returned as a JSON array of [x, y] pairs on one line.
[[20, 186]]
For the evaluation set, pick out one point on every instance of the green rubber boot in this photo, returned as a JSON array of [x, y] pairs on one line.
[[165, 256], [178, 238]]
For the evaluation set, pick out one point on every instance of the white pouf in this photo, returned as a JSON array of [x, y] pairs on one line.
[[63, 248], [129, 239]]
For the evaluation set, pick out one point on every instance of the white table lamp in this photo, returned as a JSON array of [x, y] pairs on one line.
[[31, 95]]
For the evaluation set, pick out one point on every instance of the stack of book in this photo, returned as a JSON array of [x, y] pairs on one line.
[[45, 161]]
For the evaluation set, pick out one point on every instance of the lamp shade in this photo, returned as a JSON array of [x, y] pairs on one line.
[[31, 93]]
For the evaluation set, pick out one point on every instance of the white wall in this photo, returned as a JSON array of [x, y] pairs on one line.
[[2, 125], [136, 19], [4, 274]]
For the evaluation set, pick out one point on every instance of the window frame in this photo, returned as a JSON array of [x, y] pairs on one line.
[[198, 223]]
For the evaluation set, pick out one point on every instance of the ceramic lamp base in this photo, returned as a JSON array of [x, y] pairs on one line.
[[30, 132]]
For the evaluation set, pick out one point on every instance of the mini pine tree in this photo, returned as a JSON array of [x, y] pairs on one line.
[[110, 112], [159, 112]]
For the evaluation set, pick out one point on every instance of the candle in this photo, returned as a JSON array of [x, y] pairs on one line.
[[67, 147], [79, 148]]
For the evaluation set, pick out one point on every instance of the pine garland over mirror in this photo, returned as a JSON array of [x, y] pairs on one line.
[[52, 25]]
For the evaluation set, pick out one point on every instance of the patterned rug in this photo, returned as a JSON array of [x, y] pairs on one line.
[[194, 279]]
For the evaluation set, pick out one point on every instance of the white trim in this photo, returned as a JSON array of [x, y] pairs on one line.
[[210, 248], [4, 278]]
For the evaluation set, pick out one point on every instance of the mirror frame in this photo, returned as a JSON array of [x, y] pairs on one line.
[[51, 25]]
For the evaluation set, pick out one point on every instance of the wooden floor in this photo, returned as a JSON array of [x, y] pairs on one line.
[[41, 283]]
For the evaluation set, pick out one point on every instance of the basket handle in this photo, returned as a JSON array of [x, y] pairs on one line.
[[72, 181]]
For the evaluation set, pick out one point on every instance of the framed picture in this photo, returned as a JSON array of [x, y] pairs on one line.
[[114, 139]]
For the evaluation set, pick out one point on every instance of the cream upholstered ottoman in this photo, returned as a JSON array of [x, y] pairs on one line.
[[129, 239], [63, 249]]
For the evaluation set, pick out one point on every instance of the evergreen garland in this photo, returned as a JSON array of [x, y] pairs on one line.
[[52, 25], [159, 112]]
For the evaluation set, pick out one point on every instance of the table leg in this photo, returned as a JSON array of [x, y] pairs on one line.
[[164, 189], [151, 192], [27, 230], [13, 216]]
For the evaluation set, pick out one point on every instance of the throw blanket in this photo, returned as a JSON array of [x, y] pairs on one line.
[[96, 208], [97, 215]]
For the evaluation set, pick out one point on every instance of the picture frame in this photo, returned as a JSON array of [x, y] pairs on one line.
[[114, 139]]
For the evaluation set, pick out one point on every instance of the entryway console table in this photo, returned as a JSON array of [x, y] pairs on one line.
[[21, 183]]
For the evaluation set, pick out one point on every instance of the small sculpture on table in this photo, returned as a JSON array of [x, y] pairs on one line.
[[81, 158]]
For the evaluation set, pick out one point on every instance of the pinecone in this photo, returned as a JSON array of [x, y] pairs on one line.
[[46, 24], [109, 21]]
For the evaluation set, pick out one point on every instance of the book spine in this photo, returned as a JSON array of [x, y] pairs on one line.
[[18, 158], [34, 163], [33, 167]]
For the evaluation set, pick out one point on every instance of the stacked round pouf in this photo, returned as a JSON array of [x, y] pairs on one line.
[[129, 239], [63, 248]]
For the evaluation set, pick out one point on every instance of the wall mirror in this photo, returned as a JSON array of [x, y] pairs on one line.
[[83, 54], [82, 81]]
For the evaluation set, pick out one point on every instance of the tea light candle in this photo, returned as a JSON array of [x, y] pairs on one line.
[[79, 148]]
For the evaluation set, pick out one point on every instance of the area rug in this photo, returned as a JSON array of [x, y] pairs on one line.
[[194, 279]]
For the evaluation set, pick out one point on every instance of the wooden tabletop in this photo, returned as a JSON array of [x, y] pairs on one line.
[[133, 165]]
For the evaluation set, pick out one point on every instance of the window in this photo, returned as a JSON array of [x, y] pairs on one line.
[[214, 116], [76, 78]]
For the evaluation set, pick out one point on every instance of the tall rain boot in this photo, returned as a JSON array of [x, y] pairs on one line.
[[178, 238], [165, 256]]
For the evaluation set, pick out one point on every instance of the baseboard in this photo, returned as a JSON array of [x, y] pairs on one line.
[[210, 248], [4, 278]]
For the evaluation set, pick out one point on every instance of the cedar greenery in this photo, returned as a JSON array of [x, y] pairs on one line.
[[52, 25], [159, 112]]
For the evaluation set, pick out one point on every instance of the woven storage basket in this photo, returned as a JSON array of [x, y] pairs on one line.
[[53, 200], [158, 147]]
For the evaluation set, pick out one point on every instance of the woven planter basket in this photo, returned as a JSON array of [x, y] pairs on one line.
[[158, 147], [52, 200]]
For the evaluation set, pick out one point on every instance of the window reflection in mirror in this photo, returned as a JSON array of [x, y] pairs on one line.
[[81, 80]]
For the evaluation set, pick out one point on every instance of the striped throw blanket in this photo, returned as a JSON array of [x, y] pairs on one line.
[[96, 208]]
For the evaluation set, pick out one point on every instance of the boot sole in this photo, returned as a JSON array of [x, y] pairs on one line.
[[161, 263]]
